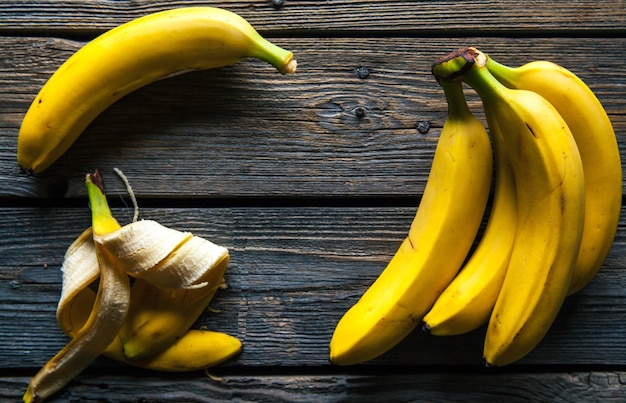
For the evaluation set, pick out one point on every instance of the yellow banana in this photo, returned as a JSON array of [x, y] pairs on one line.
[[594, 135], [194, 350], [440, 237], [105, 316], [550, 198], [468, 300], [128, 57]]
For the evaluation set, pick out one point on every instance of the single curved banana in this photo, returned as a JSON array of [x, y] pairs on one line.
[[128, 57], [550, 197], [594, 135], [468, 300], [440, 237], [195, 350], [106, 314]]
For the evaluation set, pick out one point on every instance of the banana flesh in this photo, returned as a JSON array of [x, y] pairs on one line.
[[440, 237], [128, 57]]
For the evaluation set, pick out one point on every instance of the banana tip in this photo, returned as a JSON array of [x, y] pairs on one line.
[[290, 67]]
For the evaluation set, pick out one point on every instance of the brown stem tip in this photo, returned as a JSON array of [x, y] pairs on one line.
[[463, 59], [96, 179]]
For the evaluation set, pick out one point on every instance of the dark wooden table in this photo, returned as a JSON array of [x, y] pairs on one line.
[[310, 180]]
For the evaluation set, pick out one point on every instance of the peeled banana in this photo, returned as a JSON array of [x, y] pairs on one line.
[[128, 57], [440, 237], [147, 325]]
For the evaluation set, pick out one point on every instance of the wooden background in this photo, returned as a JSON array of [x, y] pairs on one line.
[[310, 180]]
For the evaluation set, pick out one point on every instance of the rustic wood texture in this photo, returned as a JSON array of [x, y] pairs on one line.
[[310, 180], [369, 17], [297, 135]]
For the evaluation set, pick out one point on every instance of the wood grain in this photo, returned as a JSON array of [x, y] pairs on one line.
[[432, 386], [189, 136], [292, 274], [310, 180], [305, 17]]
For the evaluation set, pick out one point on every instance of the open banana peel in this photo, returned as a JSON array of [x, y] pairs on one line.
[[147, 324]]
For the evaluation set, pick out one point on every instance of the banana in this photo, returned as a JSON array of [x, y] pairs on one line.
[[155, 322], [440, 237], [195, 350], [105, 317], [550, 188], [597, 144], [176, 276], [468, 300], [128, 57]]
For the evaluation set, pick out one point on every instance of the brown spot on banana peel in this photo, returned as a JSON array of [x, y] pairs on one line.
[[530, 129]]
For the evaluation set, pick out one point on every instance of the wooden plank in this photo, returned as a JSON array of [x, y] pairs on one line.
[[247, 131], [480, 386], [293, 272], [310, 17]]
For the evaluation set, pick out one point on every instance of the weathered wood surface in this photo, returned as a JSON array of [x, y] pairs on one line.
[[298, 136], [358, 16], [310, 180]]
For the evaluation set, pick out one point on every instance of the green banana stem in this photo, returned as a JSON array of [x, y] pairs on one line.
[[102, 219], [278, 57], [469, 65], [501, 69], [457, 104]]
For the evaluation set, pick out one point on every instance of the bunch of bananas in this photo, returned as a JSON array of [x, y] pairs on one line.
[[556, 205]]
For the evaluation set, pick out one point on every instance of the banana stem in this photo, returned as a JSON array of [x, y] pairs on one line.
[[278, 57], [457, 104], [469, 65], [103, 221], [501, 69]]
